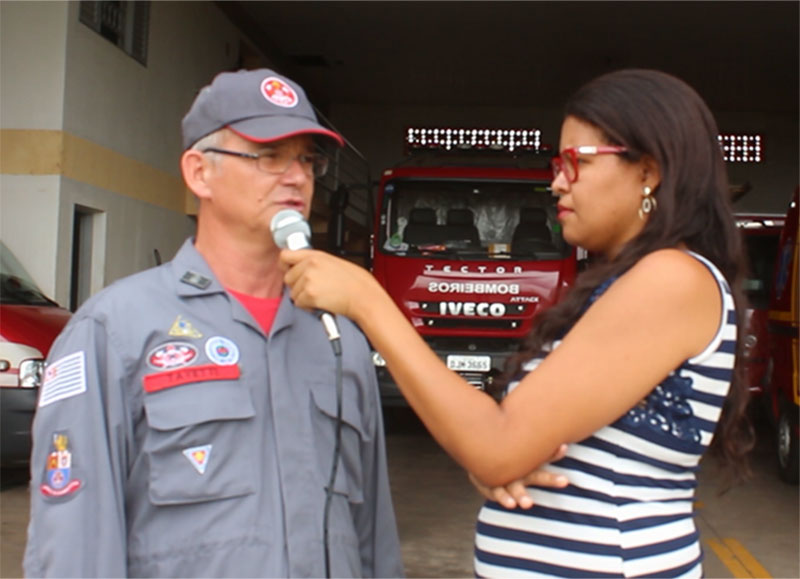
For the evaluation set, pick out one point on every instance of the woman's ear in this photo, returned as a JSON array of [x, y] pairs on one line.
[[195, 169], [651, 172]]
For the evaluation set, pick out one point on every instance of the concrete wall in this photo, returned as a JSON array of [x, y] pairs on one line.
[[33, 39], [29, 219], [113, 100], [85, 125]]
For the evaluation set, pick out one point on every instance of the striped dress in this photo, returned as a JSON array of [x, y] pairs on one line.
[[627, 511]]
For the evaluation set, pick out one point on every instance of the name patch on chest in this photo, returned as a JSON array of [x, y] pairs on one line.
[[180, 376]]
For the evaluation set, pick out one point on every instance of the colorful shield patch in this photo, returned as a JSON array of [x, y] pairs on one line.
[[59, 477]]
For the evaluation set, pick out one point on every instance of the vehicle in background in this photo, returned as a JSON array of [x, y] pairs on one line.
[[760, 234], [467, 244], [781, 379], [29, 322]]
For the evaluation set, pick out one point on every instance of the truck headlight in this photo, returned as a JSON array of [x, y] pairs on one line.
[[30, 373]]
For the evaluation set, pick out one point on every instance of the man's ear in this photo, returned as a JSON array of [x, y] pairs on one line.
[[196, 170]]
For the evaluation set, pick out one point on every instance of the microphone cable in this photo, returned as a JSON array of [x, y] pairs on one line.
[[337, 352], [290, 230]]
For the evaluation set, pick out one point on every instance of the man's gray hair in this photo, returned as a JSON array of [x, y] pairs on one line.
[[211, 140]]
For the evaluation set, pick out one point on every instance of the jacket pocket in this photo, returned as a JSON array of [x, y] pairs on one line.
[[349, 476], [199, 442]]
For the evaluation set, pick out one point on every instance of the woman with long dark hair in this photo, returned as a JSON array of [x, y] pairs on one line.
[[635, 368]]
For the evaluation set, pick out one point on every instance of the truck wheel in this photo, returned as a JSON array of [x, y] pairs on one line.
[[787, 444]]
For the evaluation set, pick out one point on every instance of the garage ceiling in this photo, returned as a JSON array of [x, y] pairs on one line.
[[741, 56]]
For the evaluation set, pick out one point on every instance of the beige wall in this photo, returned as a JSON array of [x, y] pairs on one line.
[[28, 222], [33, 38], [83, 124], [113, 100]]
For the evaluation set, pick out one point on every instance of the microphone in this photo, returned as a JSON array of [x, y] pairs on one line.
[[290, 230]]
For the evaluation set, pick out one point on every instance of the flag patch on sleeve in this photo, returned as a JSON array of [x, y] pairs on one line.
[[64, 378]]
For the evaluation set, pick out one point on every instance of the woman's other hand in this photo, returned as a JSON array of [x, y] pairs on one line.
[[515, 494]]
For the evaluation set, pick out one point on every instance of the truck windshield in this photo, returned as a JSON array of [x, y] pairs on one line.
[[16, 286], [471, 219]]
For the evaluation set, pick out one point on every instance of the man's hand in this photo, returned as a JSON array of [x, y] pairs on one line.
[[515, 494]]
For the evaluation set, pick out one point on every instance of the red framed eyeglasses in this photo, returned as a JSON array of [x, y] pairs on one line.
[[567, 161]]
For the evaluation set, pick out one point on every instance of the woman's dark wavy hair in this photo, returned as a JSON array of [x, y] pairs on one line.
[[655, 114]]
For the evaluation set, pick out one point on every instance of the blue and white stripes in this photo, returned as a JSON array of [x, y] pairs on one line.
[[627, 511]]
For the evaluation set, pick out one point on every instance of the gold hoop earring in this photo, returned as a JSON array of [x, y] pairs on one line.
[[648, 202]]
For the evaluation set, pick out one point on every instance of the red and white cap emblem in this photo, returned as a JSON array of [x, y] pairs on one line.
[[278, 92]]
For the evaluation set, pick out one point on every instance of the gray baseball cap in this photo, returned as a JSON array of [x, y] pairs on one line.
[[259, 105]]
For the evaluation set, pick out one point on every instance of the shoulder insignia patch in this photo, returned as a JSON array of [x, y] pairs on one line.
[[59, 480], [184, 329], [195, 279]]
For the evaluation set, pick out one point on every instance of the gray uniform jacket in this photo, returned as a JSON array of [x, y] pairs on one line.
[[174, 439]]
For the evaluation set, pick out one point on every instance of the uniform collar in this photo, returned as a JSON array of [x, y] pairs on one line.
[[193, 276], [286, 313]]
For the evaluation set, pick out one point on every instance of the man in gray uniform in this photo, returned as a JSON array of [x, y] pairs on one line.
[[187, 419]]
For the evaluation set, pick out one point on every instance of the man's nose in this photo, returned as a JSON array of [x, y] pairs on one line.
[[296, 169]]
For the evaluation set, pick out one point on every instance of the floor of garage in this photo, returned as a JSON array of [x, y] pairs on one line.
[[752, 531]]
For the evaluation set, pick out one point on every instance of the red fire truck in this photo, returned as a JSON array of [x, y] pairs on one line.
[[760, 233], [782, 374], [467, 243]]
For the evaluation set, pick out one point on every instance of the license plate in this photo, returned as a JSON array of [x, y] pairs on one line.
[[469, 363]]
